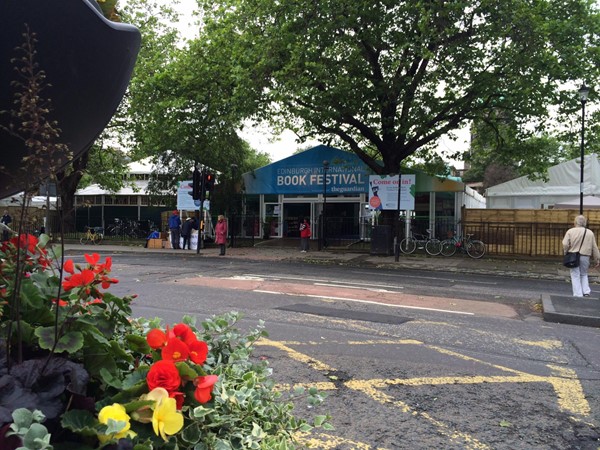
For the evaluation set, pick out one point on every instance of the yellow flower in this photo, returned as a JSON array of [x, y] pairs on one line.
[[165, 419], [115, 412]]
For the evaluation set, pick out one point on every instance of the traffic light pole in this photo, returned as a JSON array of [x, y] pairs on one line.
[[201, 213]]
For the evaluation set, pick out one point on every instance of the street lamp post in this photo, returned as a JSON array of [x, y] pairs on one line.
[[398, 240], [583, 95], [324, 215], [231, 226]]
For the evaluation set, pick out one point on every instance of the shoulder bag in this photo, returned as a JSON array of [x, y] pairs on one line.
[[571, 259]]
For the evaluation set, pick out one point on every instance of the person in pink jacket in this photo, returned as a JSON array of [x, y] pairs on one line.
[[582, 240], [221, 234]]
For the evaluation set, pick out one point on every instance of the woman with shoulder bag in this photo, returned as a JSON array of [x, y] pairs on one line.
[[582, 240]]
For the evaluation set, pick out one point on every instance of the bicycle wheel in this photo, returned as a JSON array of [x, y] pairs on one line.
[[433, 247], [97, 238], [83, 240], [408, 245], [476, 249], [448, 247]]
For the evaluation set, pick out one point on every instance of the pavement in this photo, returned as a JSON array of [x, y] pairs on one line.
[[556, 308]]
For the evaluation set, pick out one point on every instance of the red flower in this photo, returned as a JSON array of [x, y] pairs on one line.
[[60, 302], [106, 282], [93, 302], [204, 387], [92, 259], [69, 266], [27, 241], [175, 350], [78, 280], [185, 333], [156, 338], [198, 352], [163, 374], [179, 398]]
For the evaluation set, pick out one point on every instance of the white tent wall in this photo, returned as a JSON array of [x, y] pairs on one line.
[[562, 185], [472, 199]]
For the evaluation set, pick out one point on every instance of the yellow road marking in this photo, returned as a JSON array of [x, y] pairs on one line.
[[469, 441], [564, 381], [549, 344], [326, 442]]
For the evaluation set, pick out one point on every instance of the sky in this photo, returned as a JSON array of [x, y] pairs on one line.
[[280, 146]]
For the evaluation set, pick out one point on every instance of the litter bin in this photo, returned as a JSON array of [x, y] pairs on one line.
[[382, 240]]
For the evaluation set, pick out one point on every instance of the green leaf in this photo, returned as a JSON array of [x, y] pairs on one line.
[[319, 420], [137, 343], [37, 437], [505, 423], [31, 295], [23, 418], [70, 342], [185, 371], [115, 426], [43, 240], [191, 433], [110, 379], [80, 421]]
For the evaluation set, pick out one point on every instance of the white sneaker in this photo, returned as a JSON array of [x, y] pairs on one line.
[[303, 251]]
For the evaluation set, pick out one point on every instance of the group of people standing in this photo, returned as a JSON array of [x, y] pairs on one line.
[[183, 231]]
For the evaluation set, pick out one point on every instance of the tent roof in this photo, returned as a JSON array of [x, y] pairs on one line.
[[563, 180], [589, 202]]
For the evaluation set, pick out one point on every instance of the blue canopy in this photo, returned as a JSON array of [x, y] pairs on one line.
[[302, 174]]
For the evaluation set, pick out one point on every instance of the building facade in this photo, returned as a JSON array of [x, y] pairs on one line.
[[281, 194]]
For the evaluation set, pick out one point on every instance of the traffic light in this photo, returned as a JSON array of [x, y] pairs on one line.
[[196, 185], [209, 181]]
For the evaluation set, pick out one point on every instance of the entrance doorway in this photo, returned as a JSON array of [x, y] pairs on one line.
[[293, 214]]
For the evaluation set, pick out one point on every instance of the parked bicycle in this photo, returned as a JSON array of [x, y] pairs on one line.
[[432, 246], [126, 228], [473, 247], [93, 235]]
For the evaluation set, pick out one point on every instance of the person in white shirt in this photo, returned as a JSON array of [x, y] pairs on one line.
[[582, 240]]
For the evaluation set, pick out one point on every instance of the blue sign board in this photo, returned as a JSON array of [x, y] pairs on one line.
[[304, 173]]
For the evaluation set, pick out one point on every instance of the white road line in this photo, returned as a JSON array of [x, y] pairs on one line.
[[447, 279], [325, 297], [322, 280], [354, 287]]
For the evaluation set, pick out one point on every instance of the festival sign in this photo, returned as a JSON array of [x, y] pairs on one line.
[[383, 192]]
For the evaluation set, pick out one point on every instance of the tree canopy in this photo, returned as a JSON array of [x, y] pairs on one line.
[[386, 79]]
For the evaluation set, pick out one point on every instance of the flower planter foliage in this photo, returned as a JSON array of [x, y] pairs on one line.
[[77, 372]]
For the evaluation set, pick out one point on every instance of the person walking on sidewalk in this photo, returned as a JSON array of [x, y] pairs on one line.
[[175, 228], [582, 240], [304, 235], [221, 234]]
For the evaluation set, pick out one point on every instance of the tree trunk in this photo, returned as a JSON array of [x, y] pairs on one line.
[[68, 180]]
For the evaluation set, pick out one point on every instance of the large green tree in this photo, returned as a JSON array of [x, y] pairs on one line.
[[388, 78]]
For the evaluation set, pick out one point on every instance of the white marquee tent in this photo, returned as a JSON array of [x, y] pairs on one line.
[[562, 186]]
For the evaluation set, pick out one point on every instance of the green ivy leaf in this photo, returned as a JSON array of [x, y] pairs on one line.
[[191, 433]]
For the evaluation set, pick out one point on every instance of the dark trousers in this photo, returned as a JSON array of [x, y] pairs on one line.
[[187, 240], [175, 233], [222, 247]]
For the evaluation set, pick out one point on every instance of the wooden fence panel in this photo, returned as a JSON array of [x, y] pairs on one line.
[[526, 232]]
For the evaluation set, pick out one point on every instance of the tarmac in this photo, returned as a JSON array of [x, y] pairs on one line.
[[555, 308]]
